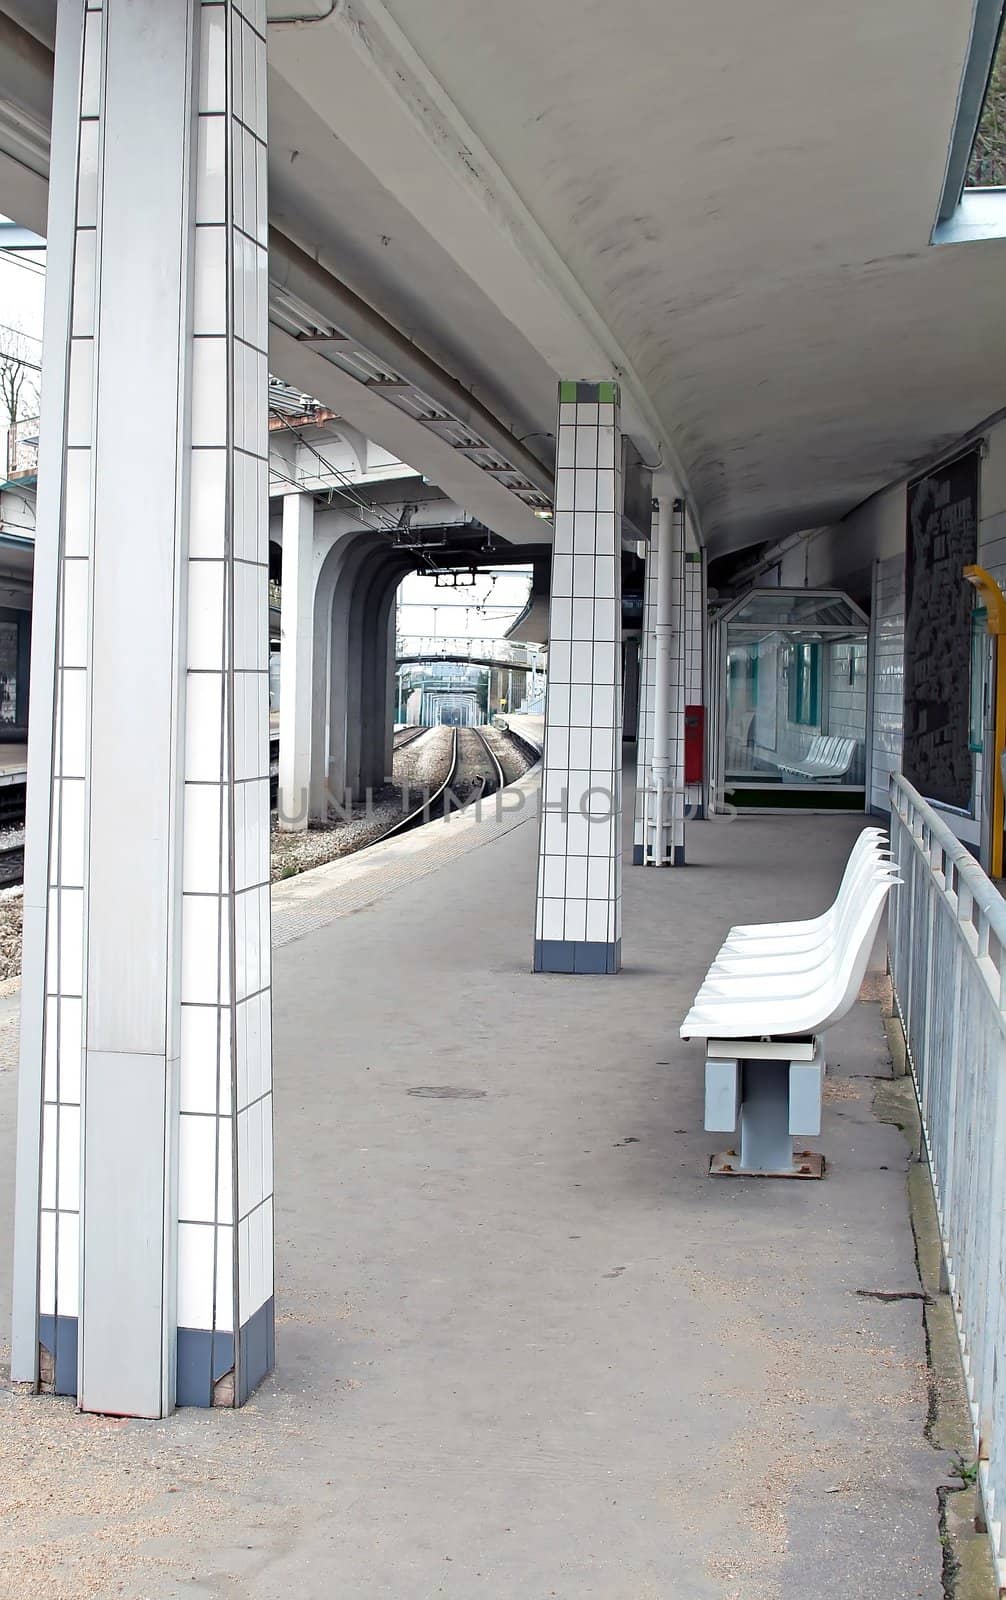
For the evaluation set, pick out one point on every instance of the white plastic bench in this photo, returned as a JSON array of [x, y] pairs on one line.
[[827, 756], [772, 990]]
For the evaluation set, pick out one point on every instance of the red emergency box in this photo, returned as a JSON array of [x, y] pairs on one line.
[[695, 742]]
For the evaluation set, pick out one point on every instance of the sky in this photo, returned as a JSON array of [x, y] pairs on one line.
[[22, 286], [484, 611]]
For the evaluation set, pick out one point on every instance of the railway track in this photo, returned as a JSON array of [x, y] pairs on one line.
[[11, 865], [478, 767], [432, 803], [406, 736], [473, 773]]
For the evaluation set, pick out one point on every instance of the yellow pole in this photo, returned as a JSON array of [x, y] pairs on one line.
[[995, 610]]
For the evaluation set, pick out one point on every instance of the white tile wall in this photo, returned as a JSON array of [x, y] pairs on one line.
[[847, 700], [888, 647]]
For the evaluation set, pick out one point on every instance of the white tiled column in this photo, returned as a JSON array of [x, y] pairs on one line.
[[695, 623], [676, 843], [644, 739], [296, 682], [143, 1263], [579, 903], [664, 846]]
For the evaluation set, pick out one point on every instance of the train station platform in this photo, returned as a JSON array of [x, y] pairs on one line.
[[526, 1347], [13, 763]]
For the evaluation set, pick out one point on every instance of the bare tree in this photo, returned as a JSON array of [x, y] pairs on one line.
[[987, 168], [19, 393]]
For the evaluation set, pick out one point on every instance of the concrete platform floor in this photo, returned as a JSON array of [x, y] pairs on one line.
[[527, 1348]]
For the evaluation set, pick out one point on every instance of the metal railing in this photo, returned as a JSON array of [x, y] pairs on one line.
[[430, 647], [947, 941]]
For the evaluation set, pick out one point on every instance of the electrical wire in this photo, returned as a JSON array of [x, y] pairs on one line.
[[349, 490], [21, 333], [302, 488], [19, 361], [16, 259], [360, 506]]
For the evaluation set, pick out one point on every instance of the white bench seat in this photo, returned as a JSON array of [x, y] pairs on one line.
[[773, 985], [827, 757]]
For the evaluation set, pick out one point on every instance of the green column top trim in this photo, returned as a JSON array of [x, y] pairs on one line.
[[575, 392]]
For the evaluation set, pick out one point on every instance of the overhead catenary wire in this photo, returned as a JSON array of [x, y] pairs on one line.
[[22, 333], [384, 524], [363, 510], [16, 259], [301, 485], [19, 361], [349, 490]]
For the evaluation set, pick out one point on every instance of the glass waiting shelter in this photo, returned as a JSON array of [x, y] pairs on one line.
[[790, 696]]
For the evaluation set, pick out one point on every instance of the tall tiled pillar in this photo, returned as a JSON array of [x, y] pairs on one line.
[[676, 698], [644, 736], [579, 902], [296, 682], [663, 700], [143, 1253]]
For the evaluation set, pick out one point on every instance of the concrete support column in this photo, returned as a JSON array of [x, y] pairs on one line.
[[368, 690], [379, 704], [359, 676], [143, 1254], [296, 680], [329, 668], [579, 900]]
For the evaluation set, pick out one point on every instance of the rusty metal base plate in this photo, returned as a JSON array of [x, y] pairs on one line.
[[806, 1164]]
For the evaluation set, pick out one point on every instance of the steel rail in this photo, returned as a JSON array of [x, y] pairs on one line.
[[424, 812], [494, 760]]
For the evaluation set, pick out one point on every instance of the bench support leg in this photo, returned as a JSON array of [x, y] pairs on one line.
[[766, 1145], [770, 1108]]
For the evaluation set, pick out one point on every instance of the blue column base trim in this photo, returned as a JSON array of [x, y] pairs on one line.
[[577, 956], [58, 1335], [679, 855], [637, 855], [203, 1357], [257, 1349]]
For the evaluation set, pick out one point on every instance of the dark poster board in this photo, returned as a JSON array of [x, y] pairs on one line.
[[942, 539]]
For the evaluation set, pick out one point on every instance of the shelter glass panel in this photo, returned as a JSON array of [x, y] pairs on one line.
[[795, 685]]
